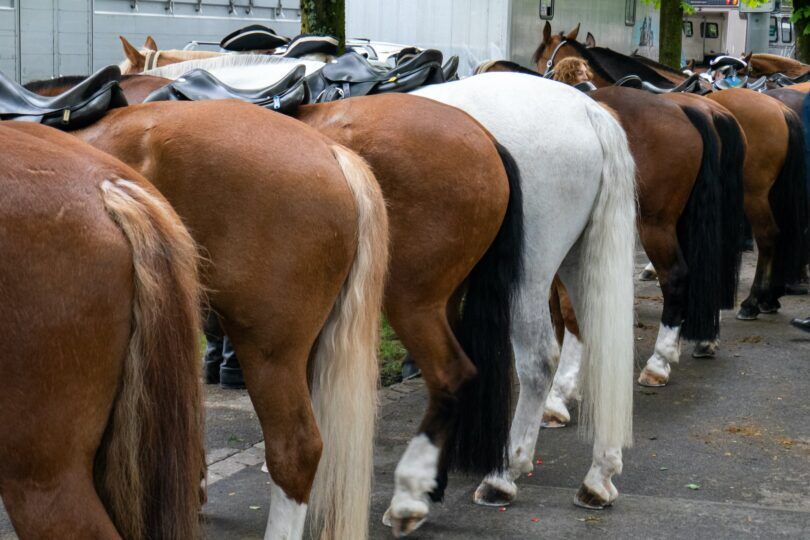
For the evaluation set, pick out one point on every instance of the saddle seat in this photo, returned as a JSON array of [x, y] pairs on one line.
[[352, 75], [199, 85], [690, 85], [780, 79], [78, 107]]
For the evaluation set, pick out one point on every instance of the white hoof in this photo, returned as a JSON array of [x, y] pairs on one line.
[[653, 376], [555, 413]]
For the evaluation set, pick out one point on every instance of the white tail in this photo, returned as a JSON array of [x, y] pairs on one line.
[[345, 369], [606, 285]]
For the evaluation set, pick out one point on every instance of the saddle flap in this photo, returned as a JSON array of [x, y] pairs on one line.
[[351, 67], [450, 69]]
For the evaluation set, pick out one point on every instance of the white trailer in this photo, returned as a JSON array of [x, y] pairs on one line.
[[45, 38]]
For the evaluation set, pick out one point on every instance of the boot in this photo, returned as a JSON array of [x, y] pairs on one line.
[[230, 373], [213, 348]]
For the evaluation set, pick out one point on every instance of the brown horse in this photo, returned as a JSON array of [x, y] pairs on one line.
[[149, 57], [101, 411], [459, 179], [297, 244], [775, 194], [769, 64]]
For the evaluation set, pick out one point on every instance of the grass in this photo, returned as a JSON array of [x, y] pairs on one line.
[[391, 354]]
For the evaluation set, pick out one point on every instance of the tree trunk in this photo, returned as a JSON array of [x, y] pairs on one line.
[[802, 40], [325, 17], [671, 30]]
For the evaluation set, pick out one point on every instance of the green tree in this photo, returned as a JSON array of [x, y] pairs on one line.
[[801, 19], [326, 17], [670, 34]]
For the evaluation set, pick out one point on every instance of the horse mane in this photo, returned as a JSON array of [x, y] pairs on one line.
[[172, 71], [63, 83], [775, 58], [514, 67], [612, 65], [655, 65]]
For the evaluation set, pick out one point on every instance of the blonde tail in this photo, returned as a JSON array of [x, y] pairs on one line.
[[151, 462], [345, 370]]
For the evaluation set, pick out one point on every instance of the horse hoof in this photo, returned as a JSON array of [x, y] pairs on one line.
[[796, 289], [648, 275], [495, 492], [748, 313], [650, 378], [402, 526], [769, 308], [704, 350], [553, 419], [586, 498]]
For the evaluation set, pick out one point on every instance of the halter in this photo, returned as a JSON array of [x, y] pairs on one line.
[[550, 63], [151, 58]]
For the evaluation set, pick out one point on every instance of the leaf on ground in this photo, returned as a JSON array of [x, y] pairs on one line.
[[664, 469], [252, 507], [590, 519], [693, 486]]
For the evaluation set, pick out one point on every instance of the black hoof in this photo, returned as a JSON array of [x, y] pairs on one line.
[[585, 498], [796, 289], [769, 306], [409, 369], [747, 313], [801, 324], [703, 351], [231, 378]]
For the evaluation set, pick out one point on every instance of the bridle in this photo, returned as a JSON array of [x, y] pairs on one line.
[[550, 64], [151, 61]]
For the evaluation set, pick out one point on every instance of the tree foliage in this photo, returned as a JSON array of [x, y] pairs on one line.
[[324, 17]]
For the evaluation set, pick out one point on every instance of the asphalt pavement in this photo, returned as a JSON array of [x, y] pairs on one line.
[[722, 452]]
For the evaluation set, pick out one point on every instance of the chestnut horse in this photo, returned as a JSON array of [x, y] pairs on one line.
[[297, 243], [101, 409], [775, 180], [462, 177], [769, 64]]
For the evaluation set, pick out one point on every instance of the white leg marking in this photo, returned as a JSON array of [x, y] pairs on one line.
[[565, 388], [667, 351], [286, 518], [599, 480], [649, 273], [415, 477]]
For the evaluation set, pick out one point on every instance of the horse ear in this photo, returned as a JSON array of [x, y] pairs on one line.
[[547, 32], [150, 44], [590, 41], [132, 54], [572, 35], [747, 57]]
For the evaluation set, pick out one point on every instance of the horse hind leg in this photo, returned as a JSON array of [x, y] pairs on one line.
[[536, 357], [564, 390], [420, 473]]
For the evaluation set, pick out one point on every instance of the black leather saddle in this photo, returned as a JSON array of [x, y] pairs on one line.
[[690, 85], [78, 107], [199, 85], [352, 75], [253, 38], [782, 80]]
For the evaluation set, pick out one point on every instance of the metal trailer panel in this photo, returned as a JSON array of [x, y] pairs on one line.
[[605, 19], [174, 28], [8, 38], [475, 30]]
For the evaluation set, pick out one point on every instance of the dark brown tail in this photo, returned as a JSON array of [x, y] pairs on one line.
[[152, 459]]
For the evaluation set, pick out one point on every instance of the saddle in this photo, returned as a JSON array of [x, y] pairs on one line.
[[690, 85], [199, 85], [352, 75], [76, 108], [782, 80], [254, 37]]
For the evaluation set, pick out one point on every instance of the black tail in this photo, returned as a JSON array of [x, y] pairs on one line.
[[699, 231], [732, 157], [789, 204], [479, 440]]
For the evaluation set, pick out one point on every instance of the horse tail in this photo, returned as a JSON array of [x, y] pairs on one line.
[[732, 158], [344, 370], [479, 437], [699, 235], [789, 203], [152, 459], [606, 262]]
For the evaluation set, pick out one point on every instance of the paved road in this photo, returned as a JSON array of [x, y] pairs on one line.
[[737, 426]]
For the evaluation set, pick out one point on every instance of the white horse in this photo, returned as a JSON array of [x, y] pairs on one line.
[[578, 182]]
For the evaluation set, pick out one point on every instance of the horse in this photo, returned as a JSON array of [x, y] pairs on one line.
[[774, 172], [770, 64], [297, 244], [149, 57], [456, 230], [101, 436]]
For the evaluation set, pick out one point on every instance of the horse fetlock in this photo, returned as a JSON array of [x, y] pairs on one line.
[[415, 477], [495, 491], [555, 413], [655, 373]]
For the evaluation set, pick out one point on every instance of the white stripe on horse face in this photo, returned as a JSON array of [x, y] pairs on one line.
[[415, 477], [286, 518]]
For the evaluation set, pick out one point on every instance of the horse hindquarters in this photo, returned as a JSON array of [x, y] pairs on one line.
[[152, 459]]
